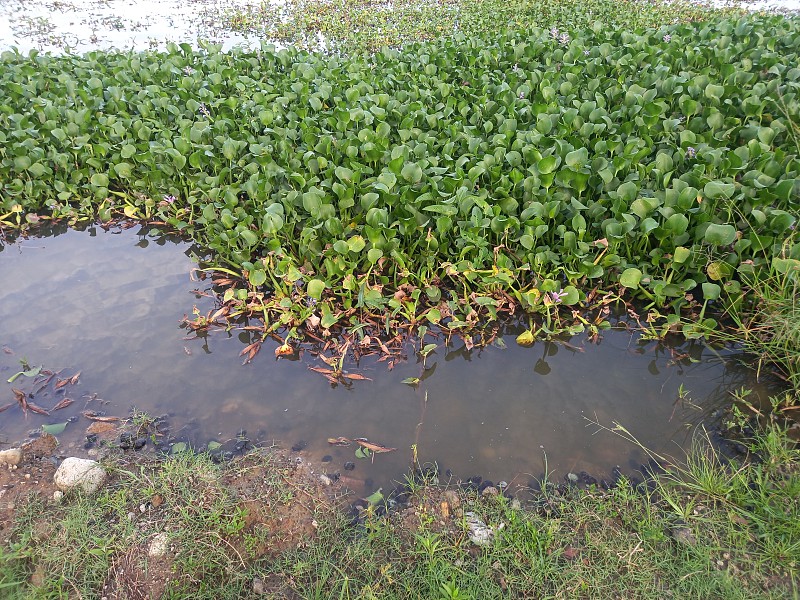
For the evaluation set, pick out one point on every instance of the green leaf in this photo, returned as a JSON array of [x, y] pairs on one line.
[[720, 235], [718, 189], [29, 373], [630, 278], [56, 428], [179, 447], [99, 180], [315, 288], [411, 172], [212, 445], [711, 291], [257, 277], [411, 381]]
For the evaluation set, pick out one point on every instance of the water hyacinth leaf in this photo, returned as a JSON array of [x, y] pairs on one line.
[[55, 428], [315, 288], [356, 243], [212, 446], [179, 447], [434, 316], [718, 189], [630, 278], [681, 255], [412, 381], [257, 277], [570, 295], [720, 234], [711, 291], [718, 270], [362, 452]]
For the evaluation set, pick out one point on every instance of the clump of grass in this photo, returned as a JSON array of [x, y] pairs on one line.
[[709, 528]]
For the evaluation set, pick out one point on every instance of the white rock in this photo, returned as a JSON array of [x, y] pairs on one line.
[[81, 473], [158, 546], [12, 456], [480, 534], [58, 495]]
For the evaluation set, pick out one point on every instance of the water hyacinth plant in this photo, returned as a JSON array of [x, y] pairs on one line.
[[439, 183]]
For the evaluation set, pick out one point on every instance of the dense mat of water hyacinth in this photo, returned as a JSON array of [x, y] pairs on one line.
[[440, 181]]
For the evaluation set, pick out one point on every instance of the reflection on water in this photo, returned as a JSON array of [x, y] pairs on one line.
[[110, 303]]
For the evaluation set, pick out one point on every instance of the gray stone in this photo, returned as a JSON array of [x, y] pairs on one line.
[[81, 473], [158, 546], [12, 456]]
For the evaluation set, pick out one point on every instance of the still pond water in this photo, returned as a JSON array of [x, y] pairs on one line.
[[109, 304]]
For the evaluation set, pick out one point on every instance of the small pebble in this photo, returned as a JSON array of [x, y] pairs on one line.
[[349, 466]]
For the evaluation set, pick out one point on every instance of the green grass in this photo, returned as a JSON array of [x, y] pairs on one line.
[[742, 522]]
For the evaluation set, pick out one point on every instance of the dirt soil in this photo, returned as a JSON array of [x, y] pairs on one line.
[[283, 500]]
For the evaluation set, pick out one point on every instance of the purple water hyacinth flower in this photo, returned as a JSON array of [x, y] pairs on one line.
[[203, 110], [556, 297], [667, 37], [187, 70], [564, 39], [691, 152], [169, 199], [586, 53], [554, 32]]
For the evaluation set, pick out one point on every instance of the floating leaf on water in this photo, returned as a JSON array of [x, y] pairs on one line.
[[29, 373], [55, 428], [33, 407], [339, 441], [372, 446], [212, 445], [526, 339], [411, 381], [5, 407], [63, 404], [178, 447], [93, 416], [355, 376], [362, 452]]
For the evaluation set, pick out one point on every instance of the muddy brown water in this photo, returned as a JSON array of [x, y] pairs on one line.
[[109, 304]]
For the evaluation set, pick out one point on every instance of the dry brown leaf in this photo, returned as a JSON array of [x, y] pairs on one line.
[[61, 383], [93, 416], [339, 441], [372, 446], [33, 407], [323, 370], [355, 376], [6, 407], [63, 404], [74, 379]]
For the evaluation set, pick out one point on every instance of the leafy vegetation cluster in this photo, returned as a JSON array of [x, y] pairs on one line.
[[365, 25], [436, 181]]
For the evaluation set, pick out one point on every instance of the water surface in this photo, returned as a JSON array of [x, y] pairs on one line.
[[110, 304]]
